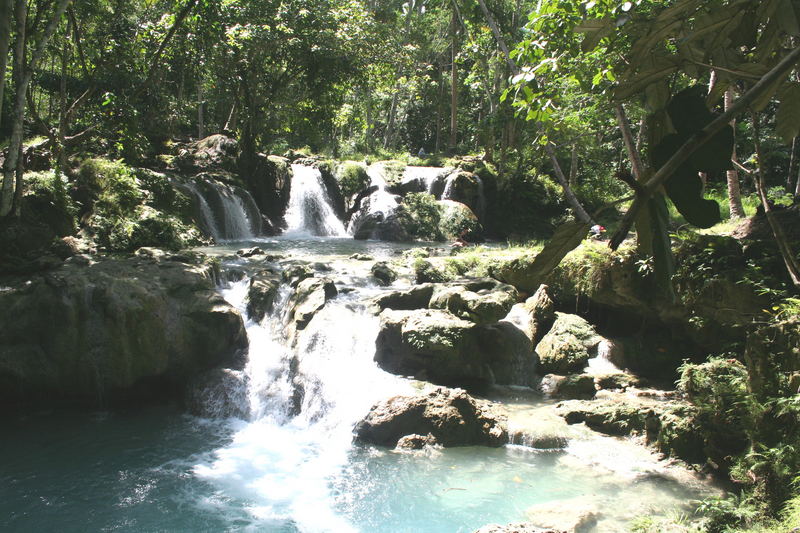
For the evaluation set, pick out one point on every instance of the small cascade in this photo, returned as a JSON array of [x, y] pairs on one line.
[[310, 211], [375, 209], [228, 213], [477, 202], [427, 179], [602, 363]]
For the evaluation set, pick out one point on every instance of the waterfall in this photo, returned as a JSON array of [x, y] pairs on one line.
[[310, 211], [426, 179], [227, 212], [378, 206], [477, 203], [285, 457]]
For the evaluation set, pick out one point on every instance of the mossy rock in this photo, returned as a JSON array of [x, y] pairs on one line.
[[568, 345], [458, 220], [352, 177], [426, 272]]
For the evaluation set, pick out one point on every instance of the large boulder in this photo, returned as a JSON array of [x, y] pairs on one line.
[[484, 306], [261, 293], [435, 345], [116, 329], [466, 188], [568, 345], [458, 220], [416, 297], [450, 416], [309, 297], [213, 152]]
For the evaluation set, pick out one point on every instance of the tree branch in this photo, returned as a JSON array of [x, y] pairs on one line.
[[697, 140]]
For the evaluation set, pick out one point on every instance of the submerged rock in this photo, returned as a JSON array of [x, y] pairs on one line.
[[112, 330], [574, 515], [451, 416]]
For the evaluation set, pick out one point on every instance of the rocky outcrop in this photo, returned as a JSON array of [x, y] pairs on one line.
[[383, 273], [115, 329], [573, 516], [458, 220], [450, 416], [575, 386], [416, 297]]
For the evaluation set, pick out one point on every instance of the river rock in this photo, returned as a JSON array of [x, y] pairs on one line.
[[382, 272], [575, 386], [541, 308], [567, 347], [484, 306], [219, 393], [416, 297], [261, 294], [310, 296], [464, 187], [415, 442], [250, 252], [451, 416], [435, 345], [213, 152], [458, 220], [296, 271], [117, 329]]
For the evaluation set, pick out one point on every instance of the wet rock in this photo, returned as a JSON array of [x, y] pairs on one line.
[[261, 294], [568, 345], [671, 426], [219, 393], [295, 272], [426, 272], [458, 220], [416, 297], [574, 386], [451, 416], [361, 257], [310, 296], [541, 308], [616, 381], [115, 330], [485, 306], [249, 252], [382, 272], [149, 252], [416, 442], [430, 344]]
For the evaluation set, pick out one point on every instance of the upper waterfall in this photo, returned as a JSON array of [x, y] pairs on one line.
[[227, 212], [310, 211]]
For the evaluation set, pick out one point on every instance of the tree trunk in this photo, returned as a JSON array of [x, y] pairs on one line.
[[792, 165], [734, 194], [453, 85], [498, 37], [437, 145], [387, 135], [630, 145], [201, 126], [580, 212], [7, 7], [23, 74], [61, 152], [368, 106], [788, 256], [573, 165]]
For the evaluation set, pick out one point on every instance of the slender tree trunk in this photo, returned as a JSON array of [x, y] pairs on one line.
[[792, 266], [6, 7], [453, 84], [580, 212], [368, 106], [201, 104], [640, 136], [734, 193], [387, 135], [22, 75], [792, 165], [61, 152], [499, 37], [630, 146], [437, 145], [573, 165]]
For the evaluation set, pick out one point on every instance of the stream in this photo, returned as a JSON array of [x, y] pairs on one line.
[[159, 469]]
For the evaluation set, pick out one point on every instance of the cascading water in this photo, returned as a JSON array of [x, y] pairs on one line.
[[310, 211], [427, 179], [228, 213], [377, 207]]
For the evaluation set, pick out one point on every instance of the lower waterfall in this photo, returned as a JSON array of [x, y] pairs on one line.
[[310, 211]]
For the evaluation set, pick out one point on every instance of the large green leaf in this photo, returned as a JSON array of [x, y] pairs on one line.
[[788, 118]]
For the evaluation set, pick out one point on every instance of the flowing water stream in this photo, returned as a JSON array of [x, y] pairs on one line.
[[157, 469]]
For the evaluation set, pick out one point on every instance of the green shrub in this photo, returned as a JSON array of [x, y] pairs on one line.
[[458, 220], [112, 185], [422, 216], [352, 177], [47, 202]]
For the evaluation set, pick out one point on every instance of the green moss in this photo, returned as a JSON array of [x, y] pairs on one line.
[[426, 272], [457, 220], [423, 216], [352, 177]]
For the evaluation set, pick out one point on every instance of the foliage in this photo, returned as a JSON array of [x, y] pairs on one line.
[[352, 177], [424, 217]]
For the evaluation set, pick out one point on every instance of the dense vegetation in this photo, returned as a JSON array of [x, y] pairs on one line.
[[659, 116]]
